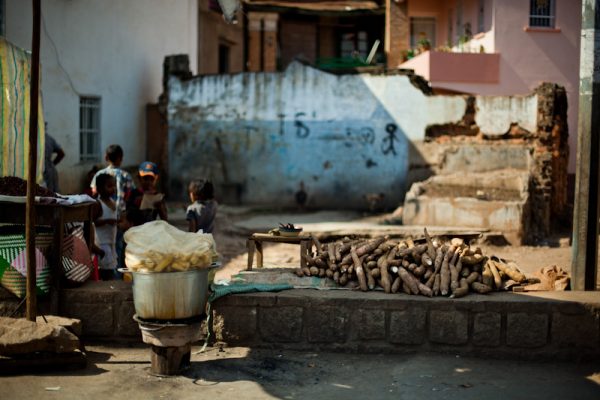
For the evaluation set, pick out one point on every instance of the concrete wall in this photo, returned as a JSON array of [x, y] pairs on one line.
[[343, 136], [529, 57], [108, 48]]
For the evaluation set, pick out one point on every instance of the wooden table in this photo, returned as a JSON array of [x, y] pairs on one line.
[[256, 240], [56, 216]]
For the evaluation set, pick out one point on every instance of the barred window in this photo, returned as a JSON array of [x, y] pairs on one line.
[[541, 13], [89, 128]]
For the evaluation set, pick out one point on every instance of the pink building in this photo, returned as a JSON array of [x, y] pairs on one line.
[[495, 47]]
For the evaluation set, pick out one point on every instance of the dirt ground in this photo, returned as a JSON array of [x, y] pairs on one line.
[[115, 372], [242, 373], [231, 244]]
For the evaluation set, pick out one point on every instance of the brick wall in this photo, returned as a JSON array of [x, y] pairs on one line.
[[551, 155], [298, 38], [396, 32], [254, 63]]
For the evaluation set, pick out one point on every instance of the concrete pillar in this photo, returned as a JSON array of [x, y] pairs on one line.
[[270, 42], [254, 63], [397, 32]]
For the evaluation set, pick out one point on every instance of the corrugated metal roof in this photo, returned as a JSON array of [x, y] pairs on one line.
[[316, 5]]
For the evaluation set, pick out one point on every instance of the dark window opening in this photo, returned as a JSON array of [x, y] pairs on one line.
[[214, 5], [223, 59], [2, 17], [541, 13]]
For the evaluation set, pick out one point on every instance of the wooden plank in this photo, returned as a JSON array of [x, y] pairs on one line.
[[32, 162], [265, 237], [14, 213]]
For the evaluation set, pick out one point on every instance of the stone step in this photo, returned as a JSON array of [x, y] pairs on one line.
[[489, 200], [503, 185]]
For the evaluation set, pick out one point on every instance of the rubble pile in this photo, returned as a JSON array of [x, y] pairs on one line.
[[434, 268]]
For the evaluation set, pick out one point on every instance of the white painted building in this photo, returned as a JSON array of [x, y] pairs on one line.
[[101, 64]]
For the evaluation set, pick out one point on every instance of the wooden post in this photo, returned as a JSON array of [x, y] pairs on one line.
[[170, 360], [585, 218], [32, 163], [251, 245], [259, 254]]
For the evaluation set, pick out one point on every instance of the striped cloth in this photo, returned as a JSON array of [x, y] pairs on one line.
[[13, 266], [15, 64]]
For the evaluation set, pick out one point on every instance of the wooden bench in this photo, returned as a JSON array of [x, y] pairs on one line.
[[255, 243]]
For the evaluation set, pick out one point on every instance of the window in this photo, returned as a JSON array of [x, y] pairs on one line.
[[450, 31], [541, 13], [459, 20], [89, 128], [354, 44], [2, 17], [422, 28]]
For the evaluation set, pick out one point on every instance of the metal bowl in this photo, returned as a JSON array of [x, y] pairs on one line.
[[289, 232]]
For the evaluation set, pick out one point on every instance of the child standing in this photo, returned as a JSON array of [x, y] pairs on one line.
[[105, 225], [124, 186], [147, 199], [124, 182], [203, 210]]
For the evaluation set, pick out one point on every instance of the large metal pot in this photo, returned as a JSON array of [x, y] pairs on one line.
[[170, 295]]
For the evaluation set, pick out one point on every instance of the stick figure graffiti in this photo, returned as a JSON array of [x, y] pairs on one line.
[[387, 144]]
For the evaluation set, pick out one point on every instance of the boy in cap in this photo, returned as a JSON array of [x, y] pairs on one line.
[[146, 198]]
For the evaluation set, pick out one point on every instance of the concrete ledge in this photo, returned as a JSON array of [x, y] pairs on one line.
[[105, 309], [563, 325], [544, 325]]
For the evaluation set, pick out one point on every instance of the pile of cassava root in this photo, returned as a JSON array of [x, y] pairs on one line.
[[433, 268]]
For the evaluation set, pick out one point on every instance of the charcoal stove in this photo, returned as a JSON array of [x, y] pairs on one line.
[[171, 342]]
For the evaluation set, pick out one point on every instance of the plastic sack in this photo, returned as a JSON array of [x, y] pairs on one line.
[[159, 247]]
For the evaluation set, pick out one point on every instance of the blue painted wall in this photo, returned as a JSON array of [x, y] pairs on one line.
[[343, 136]]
